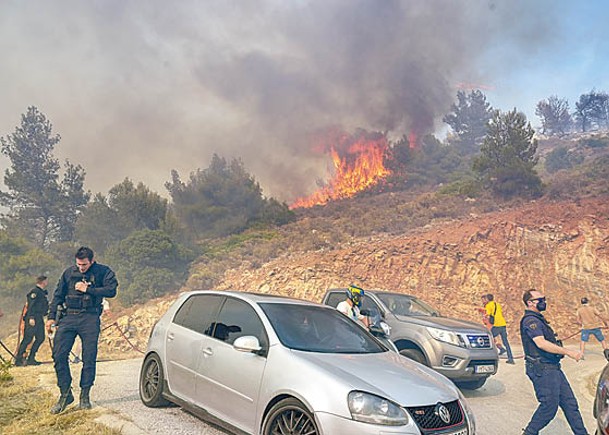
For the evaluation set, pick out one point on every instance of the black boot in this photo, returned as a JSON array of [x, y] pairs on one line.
[[64, 400], [19, 362], [85, 403], [606, 352], [31, 361]]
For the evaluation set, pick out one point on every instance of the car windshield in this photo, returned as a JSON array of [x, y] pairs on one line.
[[317, 329], [403, 305]]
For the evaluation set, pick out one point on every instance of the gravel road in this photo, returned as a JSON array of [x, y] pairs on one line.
[[503, 405]]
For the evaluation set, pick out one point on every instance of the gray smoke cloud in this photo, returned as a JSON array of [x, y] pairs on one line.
[[137, 88]]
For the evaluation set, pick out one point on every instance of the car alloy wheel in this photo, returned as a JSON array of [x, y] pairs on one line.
[[151, 382], [290, 417]]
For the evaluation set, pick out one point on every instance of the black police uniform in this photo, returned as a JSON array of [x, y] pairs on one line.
[[551, 386], [37, 308], [80, 316]]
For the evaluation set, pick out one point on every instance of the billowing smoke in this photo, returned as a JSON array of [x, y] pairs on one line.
[[142, 87]]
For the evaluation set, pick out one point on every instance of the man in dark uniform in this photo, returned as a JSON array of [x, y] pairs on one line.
[[37, 308], [79, 295], [543, 352]]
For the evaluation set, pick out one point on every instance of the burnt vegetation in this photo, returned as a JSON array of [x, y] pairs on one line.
[[218, 218]]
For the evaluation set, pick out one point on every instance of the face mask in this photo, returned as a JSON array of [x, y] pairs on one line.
[[541, 305]]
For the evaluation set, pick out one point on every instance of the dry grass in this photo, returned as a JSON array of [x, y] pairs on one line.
[[24, 409]]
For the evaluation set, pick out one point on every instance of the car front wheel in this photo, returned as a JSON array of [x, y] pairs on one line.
[[471, 385], [151, 382], [414, 354], [289, 417]]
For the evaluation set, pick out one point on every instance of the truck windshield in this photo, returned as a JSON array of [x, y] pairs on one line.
[[403, 305]]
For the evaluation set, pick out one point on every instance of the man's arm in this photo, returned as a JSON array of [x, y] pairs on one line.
[[108, 287], [548, 346], [59, 297]]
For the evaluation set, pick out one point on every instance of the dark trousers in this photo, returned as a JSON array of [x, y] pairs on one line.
[[501, 331], [30, 333], [552, 390], [87, 327]]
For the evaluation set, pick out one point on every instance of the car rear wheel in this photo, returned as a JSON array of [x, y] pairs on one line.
[[151, 382], [414, 354], [289, 417]]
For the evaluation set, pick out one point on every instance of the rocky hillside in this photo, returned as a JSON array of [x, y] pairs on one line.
[[557, 247]]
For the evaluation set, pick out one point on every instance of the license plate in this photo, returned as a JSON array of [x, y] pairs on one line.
[[487, 368], [460, 432]]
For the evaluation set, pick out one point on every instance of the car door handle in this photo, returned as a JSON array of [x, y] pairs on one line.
[[207, 351], [170, 337]]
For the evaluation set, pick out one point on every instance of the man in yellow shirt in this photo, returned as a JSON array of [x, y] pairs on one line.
[[591, 322], [495, 315]]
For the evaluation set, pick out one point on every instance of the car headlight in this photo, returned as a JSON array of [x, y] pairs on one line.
[[471, 420], [446, 336], [369, 408]]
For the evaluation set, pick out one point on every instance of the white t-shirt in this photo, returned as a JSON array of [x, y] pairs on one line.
[[351, 312]]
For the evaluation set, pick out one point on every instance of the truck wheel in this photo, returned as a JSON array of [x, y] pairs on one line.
[[415, 355], [471, 385]]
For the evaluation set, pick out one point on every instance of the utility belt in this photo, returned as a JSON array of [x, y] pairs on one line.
[[537, 363], [71, 311]]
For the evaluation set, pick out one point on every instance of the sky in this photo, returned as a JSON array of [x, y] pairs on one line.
[[138, 88]]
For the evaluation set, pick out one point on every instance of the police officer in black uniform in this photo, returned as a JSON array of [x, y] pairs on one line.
[[78, 300], [37, 308], [543, 352]]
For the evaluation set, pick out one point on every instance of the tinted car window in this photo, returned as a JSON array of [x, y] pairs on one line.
[[402, 305], [317, 329], [335, 298], [198, 312], [237, 319]]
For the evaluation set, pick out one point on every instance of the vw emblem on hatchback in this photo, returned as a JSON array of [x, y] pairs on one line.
[[442, 412], [480, 341]]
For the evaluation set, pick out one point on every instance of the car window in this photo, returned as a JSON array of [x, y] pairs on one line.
[[317, 329], [237, 319], [335, 298], [370, 306], [403, 305], [198, 312]]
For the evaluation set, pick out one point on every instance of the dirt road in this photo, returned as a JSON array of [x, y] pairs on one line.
[[502, 406]]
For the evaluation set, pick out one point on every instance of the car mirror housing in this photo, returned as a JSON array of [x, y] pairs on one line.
[[247, 343]]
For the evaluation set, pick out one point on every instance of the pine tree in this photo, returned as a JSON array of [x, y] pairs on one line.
[[42, 209]]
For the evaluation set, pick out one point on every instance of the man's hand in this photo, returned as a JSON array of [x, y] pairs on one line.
[[82, 286], [49, 325], [576, 355], [32, 321]]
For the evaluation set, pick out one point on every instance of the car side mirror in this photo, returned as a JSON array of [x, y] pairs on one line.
[[247, 343]]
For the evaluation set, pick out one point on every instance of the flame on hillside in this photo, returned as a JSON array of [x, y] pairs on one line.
[[358, 163]]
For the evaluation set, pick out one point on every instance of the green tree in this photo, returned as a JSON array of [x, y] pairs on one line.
[[42, 208], [223, 199], [554, 115], [126, 208], [20, 263], [469, 118], [562, 158], [508, 156], [591, 110], [149, 263]]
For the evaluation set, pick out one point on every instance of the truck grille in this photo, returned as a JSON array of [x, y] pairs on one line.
[[479, 341], [429, 417]]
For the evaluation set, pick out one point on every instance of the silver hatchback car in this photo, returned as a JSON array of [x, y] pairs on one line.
[[259, 364]]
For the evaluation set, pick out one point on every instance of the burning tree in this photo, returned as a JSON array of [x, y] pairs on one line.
[[358, 162]]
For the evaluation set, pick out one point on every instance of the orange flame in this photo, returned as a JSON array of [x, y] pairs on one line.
[[358, 163]]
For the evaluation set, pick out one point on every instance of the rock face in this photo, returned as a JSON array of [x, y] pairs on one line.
[[559, 248]]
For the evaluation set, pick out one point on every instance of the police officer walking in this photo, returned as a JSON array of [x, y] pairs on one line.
[[543, 352], [75, 311], [37, 308]]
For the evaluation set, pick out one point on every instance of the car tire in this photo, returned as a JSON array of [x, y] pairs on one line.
[[415, 355], [471, 385], [152, 381], [289, 416]]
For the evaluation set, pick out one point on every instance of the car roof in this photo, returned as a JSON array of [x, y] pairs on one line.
[[256, 297], [375, 291]]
